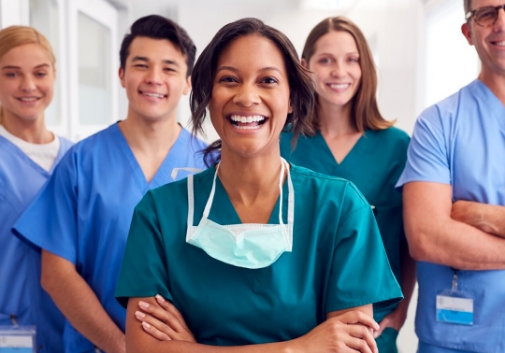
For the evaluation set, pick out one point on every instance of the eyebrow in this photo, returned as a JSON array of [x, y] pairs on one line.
[[12, 67], [231, 68], [143, 58], [350, 53]]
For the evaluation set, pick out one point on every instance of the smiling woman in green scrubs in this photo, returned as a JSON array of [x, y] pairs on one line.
[[253, 254], [353, 141]]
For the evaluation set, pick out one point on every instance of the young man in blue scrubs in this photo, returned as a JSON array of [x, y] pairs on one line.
[[81, 218], [454, 201]]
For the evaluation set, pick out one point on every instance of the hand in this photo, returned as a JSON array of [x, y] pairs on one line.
[[396, 319], [467, 212], [349, 332], [164, 323]]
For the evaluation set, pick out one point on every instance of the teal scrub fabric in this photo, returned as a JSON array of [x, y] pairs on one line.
[[338, 262], [374, 166]]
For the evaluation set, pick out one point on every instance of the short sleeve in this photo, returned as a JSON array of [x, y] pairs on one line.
[[143, 272], [360, 272], [50, 222], [427, 157]]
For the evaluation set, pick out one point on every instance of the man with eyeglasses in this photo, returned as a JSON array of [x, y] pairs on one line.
[[454, 201]]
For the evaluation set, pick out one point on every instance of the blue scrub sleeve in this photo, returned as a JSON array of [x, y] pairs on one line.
[[144, 270], [427, 157], [360, 272], [51, 220]]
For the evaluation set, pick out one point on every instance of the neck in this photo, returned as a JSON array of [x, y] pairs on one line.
[[335, 120], [32, 131], [496, 83], [247, 179], [150, 135]]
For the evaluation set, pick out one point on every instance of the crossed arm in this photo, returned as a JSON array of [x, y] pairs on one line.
[[464, 235], [159, 327]]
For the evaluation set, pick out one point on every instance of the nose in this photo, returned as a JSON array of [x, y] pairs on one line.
[[247, 95], [28, 84], [338, 69], [499, 24], [153, 76]]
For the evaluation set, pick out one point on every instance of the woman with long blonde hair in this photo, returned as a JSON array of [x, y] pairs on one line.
[[29, 153]]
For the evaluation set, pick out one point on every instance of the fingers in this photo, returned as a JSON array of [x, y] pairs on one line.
[[155, 327], [360, 336], [169, 307], [358, 317], [163, 316], [383, 324], [151, 330]]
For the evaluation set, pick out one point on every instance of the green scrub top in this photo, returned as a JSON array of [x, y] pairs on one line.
[[374, 165], [338, 262]]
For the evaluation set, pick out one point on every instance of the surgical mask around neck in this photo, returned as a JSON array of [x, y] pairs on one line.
[[248, 245]]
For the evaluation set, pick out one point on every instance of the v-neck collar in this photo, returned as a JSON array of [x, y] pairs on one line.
[[17, 151], [496, 107], [227, 213], [360, 147], [162, 175]]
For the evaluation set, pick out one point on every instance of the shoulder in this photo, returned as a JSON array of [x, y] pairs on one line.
[[391, 136], [323, 187], [196, 143]]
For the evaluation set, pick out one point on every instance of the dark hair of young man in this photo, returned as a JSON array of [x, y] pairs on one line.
[[159, 27]]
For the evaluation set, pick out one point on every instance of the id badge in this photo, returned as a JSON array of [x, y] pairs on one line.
[[454, 306], [17, 339]]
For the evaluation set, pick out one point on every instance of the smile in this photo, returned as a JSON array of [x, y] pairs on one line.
[[339, 86], [153, 95], [28, 99], [252, 122]]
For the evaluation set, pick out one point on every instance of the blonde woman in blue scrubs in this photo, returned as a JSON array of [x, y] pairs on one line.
[[353, 141], [254, 254]]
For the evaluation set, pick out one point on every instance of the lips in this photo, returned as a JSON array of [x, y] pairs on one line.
[[153, 95], [28, 99], [247, 122]]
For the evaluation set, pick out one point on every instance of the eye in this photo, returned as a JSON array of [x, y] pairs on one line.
[[41, 74], [140, 66], [228, 79], [269, 80], [353, 60], [10, 74], [324, 61], [170, 69], [486, 14]]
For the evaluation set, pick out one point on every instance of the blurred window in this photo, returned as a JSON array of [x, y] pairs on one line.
[[451, 62]]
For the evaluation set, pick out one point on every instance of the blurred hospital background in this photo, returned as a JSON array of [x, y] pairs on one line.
[[418, 48]]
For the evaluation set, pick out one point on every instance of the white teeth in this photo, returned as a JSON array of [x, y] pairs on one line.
[[340, 85], [154, 95], [248, 127], [28, 99], [247, 119], [501, 44]]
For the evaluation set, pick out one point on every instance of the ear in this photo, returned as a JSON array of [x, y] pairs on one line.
[[305, 64], [290, 107], [188, 85], [121, 76], [465, 29]]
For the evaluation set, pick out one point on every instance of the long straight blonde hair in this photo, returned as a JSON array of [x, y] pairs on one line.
[[15, 36]]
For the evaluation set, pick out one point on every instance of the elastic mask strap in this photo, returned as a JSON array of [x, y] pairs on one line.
[[175, 171], [291, 200], [211, 196], [283, 167], [191, 201]]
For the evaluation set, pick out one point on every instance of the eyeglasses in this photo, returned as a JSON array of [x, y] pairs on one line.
[[485, 16]]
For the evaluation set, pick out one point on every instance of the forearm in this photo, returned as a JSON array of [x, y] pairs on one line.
[[79, 304], [487, 218], [434, 236], [408, 280]]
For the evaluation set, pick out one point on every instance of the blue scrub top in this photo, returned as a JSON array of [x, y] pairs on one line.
[[338, 262], [461, 141], [374, 165], [21, 294], [84, 212]]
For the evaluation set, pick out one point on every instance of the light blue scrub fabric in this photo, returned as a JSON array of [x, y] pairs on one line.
[[20, 291], [338, 262], [461, 141], [84, 212]]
